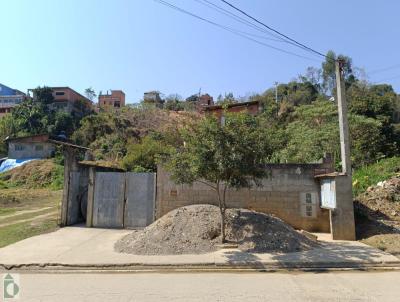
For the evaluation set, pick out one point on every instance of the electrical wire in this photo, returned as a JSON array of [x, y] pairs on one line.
[[384, 69], [234, 31], [300, 45], [239, 19]]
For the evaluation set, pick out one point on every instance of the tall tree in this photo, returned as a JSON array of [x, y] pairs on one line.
[[90, 93], [221, 157], [328, 71]]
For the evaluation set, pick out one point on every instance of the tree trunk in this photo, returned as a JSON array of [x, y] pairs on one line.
[[221, 203], [222, 211]]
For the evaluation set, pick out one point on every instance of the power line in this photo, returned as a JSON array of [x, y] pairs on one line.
[[384, 69], [247, 22], [388, 79], [234, 31], [301, 45], [239, 19]]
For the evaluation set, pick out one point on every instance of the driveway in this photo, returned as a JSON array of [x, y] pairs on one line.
[[83, 246]]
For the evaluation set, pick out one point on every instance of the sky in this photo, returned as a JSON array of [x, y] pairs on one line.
[[142, 45]]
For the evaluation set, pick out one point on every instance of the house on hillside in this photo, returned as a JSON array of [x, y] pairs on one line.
[[153, 97], [113, 100], [9, 98], [67, 100], [33, 146], [252, 107], [204, 101]]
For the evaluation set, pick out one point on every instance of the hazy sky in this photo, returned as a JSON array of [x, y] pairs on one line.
[[140, 45]]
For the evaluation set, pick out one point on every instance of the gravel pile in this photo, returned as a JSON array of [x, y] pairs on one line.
[[196, 229]]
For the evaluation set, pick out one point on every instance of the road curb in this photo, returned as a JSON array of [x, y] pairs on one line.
[[199, 267]]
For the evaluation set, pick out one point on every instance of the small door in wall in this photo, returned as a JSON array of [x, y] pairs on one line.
[[328, 193]]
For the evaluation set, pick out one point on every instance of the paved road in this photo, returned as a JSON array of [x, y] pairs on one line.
[[359, 286]]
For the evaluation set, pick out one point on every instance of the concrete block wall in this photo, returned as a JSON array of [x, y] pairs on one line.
[[290, 193], [19, 150]]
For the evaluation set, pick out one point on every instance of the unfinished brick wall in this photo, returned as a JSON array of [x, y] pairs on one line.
[[290, 192]]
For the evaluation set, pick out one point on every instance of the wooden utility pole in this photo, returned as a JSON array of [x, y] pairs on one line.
[[343, 120]]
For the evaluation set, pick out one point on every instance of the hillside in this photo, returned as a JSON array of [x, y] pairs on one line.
[[377, 212], [109, 134], [35, 174]]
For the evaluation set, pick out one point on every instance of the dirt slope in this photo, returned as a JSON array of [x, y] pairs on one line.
[[34, 174], [195, 230], [381, 202]]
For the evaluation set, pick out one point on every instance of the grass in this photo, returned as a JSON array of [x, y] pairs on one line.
[[7, 211], [28, 215], [16, 232], [14, 200], [367, 176]]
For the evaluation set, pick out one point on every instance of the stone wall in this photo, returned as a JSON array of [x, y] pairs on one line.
[[290, 192]]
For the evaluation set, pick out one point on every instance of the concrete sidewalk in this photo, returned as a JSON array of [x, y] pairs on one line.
[[90, 248]]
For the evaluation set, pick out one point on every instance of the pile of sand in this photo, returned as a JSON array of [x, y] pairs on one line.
[[196, 229]]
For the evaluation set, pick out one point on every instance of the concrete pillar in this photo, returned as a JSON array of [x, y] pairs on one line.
[[343, 121], [342, 218]]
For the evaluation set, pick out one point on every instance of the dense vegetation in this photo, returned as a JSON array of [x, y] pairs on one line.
[[299, 127], [370, 175]]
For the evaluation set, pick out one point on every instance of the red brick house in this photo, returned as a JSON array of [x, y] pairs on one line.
[[65, 99], [252, 107], [204, 101], [114, 100]]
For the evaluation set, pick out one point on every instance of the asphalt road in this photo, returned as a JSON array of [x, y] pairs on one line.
[[351, 286]]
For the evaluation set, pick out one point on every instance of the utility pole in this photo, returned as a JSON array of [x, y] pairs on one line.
[[342, 215], [276, 92], [343, 120]]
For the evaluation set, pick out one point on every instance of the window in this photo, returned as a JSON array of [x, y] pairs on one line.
[[60, 93], [19, 148], [309, 211], [39, 148], [308, 198]]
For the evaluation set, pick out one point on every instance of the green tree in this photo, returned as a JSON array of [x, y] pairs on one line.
[[32, 117], [63, 123], [221, 157], [328, 71], [313, 131], [90, 93], [174, 102], [7, 128], [378, 102], [228, 98], [144, 156]]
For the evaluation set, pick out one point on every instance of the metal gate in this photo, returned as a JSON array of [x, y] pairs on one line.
[[123, 200]]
